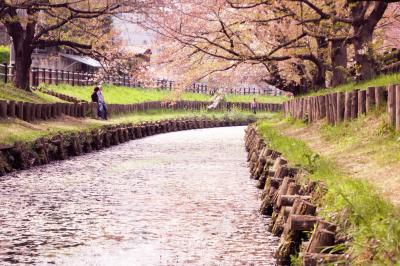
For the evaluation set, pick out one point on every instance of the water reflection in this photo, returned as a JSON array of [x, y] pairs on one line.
[[181, 198]]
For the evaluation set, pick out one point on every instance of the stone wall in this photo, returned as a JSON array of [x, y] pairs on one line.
[[289, 198], [20, 156]]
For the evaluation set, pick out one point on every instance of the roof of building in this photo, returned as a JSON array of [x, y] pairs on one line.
[[83, 59]]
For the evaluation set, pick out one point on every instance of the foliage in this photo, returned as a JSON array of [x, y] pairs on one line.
[[371, 222], [83, 26], [293, 45], [4, 54]]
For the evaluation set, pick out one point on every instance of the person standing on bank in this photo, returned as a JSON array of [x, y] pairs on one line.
[[95, 99], [254, 106], [102, 104]]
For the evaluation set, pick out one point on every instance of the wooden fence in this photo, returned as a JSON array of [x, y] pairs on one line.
[[52, 76], [344, 106], [32, 112], [203, 88]]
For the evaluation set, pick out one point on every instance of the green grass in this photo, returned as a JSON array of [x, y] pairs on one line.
[[372, 222], [260, 98], [124, 95], [382, 80], [4, 54], [8, 92], [15, 130], [366, 134]]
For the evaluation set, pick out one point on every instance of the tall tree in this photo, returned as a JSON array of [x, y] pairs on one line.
[[218, 31], [299, 42], [39, 24]]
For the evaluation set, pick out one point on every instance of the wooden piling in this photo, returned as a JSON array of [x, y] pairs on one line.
[[354, 104], [326, 103], [334, 107], [53, 110], [20, 110], [321, 100], [362, 95], [391, 105], [26, 110], [379, 97], [397, 107], [11, 109], [340, 107], [347, 106], [310, 109], [38, 111], [3, 109], [370, 99]]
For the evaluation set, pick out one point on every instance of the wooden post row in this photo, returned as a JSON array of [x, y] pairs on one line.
[[370, 102], [354, 104], [397, 107], [340, 106], [361, 104], [391, 107]]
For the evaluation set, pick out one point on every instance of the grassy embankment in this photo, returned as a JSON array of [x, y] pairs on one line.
[[382, 80], [360, 202], [359, 161], [13, 130], [16, 130], [124, 95], [8, 92]]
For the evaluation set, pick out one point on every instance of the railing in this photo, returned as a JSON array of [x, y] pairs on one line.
[[51, 76], [6, 73], [74, 78], [32, 111]]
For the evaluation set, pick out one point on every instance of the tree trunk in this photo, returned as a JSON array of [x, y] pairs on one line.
[[363, 28], [23, 61], [319, 77], [339, 62], [278, 81], [22, 37], [363, 57]]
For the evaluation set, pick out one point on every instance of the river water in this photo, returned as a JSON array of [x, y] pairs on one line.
[[182, 198]]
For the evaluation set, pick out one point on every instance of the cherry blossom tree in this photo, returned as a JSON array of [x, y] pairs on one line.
[[299, 44], [76, 24]]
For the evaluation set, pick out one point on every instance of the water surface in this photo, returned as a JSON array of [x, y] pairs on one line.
[[182, 198]]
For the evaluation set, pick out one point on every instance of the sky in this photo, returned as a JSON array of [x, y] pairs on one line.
[[135, 37]]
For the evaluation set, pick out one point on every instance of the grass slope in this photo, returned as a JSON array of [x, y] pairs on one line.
[[124, 95], [372, 222], [382, 80], [14, 130], [8, 92]]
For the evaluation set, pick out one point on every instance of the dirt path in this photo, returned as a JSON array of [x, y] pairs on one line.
[[355, 161]]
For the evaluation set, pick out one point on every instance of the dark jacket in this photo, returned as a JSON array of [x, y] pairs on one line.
[[95, 97]]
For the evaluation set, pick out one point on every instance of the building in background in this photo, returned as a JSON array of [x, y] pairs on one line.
[[5, 39], [60, 59]]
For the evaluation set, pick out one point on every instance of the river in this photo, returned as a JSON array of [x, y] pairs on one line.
[[182, 198]]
